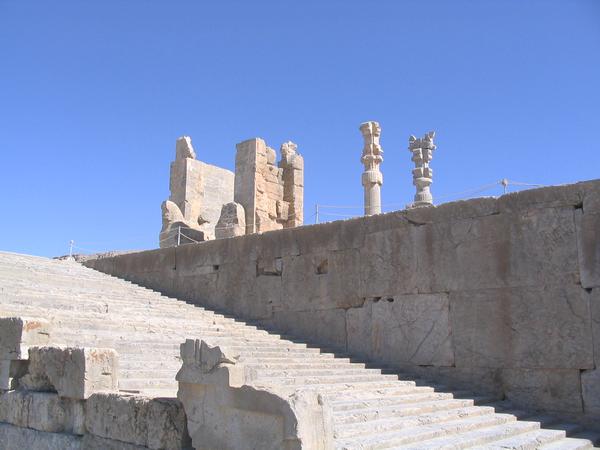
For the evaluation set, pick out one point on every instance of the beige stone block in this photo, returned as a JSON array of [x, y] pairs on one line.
[[324, 327], [225, 411], [542, 198], [27, 439], [359, 331], [590, 390], [452, 211], [92, 442], [71, 372], [17, 334], [42, 411], [588, 234], [388, 262], [322, 281], [152, 423], [595, 312], [528, 327], [531, 248], [546, 389], [412, 330]]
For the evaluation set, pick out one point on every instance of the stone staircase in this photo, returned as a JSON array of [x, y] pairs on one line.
[[370, 409]]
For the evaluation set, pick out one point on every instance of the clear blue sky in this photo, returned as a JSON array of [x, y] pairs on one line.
[[94, 94]]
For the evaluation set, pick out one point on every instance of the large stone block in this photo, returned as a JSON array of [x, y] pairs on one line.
[[546, 389], [153, 423], [322, 280], [359, 331], [402, 331], [71, 372], [323, 327], [412, 330], [551, 197], [528, 327], [588, 233], [42, 411], [17, 334], [26, 439], [595, 310], [92, 442], [225, 411], [590, 390], [389, 262], [510, 249]]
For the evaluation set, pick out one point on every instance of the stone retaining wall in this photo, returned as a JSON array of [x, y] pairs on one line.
[[491, 294]]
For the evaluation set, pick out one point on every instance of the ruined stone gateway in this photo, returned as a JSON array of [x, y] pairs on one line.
[[209, 202], [473, 324]]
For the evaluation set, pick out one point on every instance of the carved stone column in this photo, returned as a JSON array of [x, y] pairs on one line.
[[372, 178], [422, 152]]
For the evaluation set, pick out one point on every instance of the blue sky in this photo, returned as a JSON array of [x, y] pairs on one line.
[[94, 94]]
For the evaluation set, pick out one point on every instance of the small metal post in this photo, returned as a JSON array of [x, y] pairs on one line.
[[316, 213], [71, 242], [178, 236]]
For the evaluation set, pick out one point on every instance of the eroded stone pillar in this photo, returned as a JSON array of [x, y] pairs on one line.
[[292, 164], [422, 153], [372, 178]]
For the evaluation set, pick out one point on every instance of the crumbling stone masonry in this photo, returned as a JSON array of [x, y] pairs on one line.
[[271, 195], [209, 202], [198, 191]]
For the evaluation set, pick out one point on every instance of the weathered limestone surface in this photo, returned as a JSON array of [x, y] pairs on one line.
[[198, 191], [485, 289], [74, 373], [226, 411], [232, 221], [153, 423], [271, 194], [404, 330], [42, 411], [17, 334], [17, 438]]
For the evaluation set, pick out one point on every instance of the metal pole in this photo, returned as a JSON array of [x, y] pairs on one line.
[[71, 242], [178, 236], [504, 182], [316, 213]]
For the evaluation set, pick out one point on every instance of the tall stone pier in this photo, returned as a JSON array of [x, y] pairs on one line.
[[372, 178]]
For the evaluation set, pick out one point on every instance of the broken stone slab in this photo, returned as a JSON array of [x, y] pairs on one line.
[[232, 221], [225, 411], [42, 411], [17, 334], [155, 423], [71, 372]]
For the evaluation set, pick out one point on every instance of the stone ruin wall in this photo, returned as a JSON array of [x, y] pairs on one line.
[[490, 294], [208, 202]]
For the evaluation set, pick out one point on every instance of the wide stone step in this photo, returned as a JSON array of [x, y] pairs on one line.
[[387, 425], [528, 441], [408, 409], [406, 388], [313, 372], [324, 379], [568, 444], [147, 383], [378, 402], [478, 436], [451, 434], [308, 364]]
